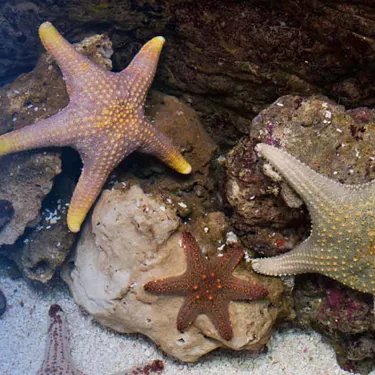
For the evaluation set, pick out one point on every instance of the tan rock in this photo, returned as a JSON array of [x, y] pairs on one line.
[[133, 238]]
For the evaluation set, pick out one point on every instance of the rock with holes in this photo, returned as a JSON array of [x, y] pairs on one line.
[[130, 239], [269, 218]]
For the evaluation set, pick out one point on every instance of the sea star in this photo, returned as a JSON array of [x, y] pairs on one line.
[[208, 287], [342, 240], [58, 361], [104, 120]]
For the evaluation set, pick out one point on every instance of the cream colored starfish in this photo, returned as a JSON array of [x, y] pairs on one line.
[[342, 240], [104, 120]]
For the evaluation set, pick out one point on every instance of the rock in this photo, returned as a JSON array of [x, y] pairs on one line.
[[263, 223], [3, 303], [181, 124], [6, 212], [230, 65], [192, 195], [27, 177], [130, 240], [336, 143], [45, 248], [343, 315]]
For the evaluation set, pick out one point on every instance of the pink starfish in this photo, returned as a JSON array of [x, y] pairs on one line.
[[58, 361]]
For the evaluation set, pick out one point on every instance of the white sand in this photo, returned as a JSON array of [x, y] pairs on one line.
[[98, 351]]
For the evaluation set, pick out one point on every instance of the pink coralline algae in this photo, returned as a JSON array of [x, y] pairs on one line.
[[57, 359]]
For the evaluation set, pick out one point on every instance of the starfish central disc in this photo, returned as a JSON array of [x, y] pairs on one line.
[[208, 287]]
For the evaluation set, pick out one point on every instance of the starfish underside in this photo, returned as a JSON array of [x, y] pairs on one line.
[[208, 287], [104, 120], [342, 240]]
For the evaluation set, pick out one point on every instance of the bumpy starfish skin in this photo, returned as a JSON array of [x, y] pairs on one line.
[[342, 240], [57, 360], [208, 287], [104, 120]]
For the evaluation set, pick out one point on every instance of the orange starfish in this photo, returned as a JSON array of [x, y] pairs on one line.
[[208, 287], [104, 120]]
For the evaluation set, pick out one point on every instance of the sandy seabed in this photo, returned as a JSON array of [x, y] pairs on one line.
[[98, 351]]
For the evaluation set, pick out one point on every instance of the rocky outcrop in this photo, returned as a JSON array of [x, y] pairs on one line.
[[229, 59], [132, 238], [270, 219], [337, 143]]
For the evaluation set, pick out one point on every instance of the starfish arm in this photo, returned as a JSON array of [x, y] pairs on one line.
[[228, 262], [141, 71], [188, 312], [157, 144], [76, 68], [219, 316], [176, 285], [57, 358], [45, 133], [302, 259], [196, 261], [94, 174], [315, 189], [242, 290]]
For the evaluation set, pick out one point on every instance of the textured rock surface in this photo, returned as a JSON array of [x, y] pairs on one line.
[[193, 194], [343, 315], [46, 247], [26, 180], [130, 240], [336, 143], [228, 58], [3, 303], [27, 177]]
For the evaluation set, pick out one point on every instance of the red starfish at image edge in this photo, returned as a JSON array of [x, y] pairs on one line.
[[208, 287]]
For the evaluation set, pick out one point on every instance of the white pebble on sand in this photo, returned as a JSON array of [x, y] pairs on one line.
[[98, 351]]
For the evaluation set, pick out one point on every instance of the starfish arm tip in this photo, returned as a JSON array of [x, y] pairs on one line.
[[47, 30], [156, 44], [261, 148], [160, 39], [185, 168], [261, 266], [176, 161], [75, 222]]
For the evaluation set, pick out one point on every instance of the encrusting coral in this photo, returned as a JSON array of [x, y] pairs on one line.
[[58, 361], [104, 120], [208, 287], [342, 240]]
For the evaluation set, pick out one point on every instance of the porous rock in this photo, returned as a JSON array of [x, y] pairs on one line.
[[343, 315], [229, 59], [130, 240], [337, 143]]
